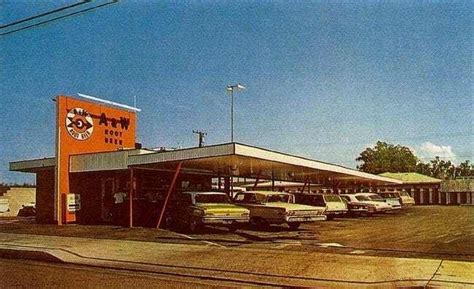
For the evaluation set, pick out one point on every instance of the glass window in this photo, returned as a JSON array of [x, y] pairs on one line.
[[186, 199], [278, 198], [332, 198], [239, 198], [212, 198], [375, 198], [362, 198]]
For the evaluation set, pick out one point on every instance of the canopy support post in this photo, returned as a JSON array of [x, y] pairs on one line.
[[170, 190]]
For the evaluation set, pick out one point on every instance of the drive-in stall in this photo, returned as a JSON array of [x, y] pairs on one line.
[[86, 183]]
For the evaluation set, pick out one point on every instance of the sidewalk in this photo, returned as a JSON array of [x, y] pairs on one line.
[[252, 266]]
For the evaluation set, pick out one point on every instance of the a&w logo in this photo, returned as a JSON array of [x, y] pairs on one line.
[[79, 124]]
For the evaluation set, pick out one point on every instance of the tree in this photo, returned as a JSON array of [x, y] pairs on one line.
[[464, 169], [386, 157]]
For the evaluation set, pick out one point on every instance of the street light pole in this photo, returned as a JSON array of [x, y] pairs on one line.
[[231, 89]]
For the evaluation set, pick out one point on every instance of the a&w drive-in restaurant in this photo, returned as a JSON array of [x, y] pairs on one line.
[[98, 158]]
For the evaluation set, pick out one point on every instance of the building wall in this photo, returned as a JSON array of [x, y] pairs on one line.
[[45, 196]]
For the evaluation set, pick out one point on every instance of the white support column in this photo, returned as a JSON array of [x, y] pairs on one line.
[[458, 198], [422, 201], [412, 192], [447, 198], [431, 196], [439, 197]]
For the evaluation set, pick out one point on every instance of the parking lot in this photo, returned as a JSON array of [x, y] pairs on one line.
[[423, 231]]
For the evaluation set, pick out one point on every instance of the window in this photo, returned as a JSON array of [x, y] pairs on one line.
[[278, 198], [212, 198], [248, 198], [332, 198], [362, 198], [186, 199]]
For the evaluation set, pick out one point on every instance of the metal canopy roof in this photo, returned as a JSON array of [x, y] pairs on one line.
[[226, 159]]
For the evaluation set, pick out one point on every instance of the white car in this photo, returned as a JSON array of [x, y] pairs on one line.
[[277, 208], [373, 206], [393, 202]]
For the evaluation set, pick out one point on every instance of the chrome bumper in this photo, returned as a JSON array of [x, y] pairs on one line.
[[302, 219], [224, 220]]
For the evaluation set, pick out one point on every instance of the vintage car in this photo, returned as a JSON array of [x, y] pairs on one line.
[[393, 202], [335, 206], [277, 208], [405, 199], [373, 206], [193, 210], [355, 207]]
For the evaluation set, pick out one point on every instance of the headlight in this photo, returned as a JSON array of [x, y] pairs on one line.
[[245, 214], [198, 212], [290, 213], [208, 214]]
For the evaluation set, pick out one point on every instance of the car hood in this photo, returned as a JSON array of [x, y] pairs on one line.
[[377, 203], [221, 208], [294, 207]]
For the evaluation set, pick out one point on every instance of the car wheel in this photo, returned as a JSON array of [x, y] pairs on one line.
[[329, 217], [194, 226], [232, 228], [168, 221], [294, 225], [258, 222]]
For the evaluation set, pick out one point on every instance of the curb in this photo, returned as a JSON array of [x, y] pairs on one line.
[[28, 255]]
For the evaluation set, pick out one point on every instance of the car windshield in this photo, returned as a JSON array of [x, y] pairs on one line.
[[362, 198], [405, 194], [332, 198], [278, 198], [375, 198], [212, 198]]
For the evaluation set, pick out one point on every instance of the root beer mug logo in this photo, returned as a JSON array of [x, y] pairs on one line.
[[79, 124]]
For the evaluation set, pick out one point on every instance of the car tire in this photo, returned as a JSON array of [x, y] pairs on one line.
[[232, 228], [294, 225], [194, 226], [168, 221], [258, 222], [329, 217]]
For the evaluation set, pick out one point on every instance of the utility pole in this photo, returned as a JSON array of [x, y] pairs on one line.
[[201, 136]]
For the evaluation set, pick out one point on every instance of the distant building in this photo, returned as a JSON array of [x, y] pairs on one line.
[[458, 191], [428, 190], [424, 189]]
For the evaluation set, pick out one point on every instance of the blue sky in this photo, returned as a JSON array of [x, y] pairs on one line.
[[324, 80]]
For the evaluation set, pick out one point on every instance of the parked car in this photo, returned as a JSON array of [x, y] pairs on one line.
[[268, 207], [393, 202], [393, 198], [405, 199], [355, 207], [193, 210], [335, 206], [373, 206], [28, 210]]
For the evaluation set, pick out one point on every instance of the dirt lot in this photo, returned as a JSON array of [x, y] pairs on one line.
[[426, 232]]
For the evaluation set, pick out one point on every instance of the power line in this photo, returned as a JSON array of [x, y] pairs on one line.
[[44, 14], [59, 18]]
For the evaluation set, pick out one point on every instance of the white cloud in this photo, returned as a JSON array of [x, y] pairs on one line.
[[429, 150]]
